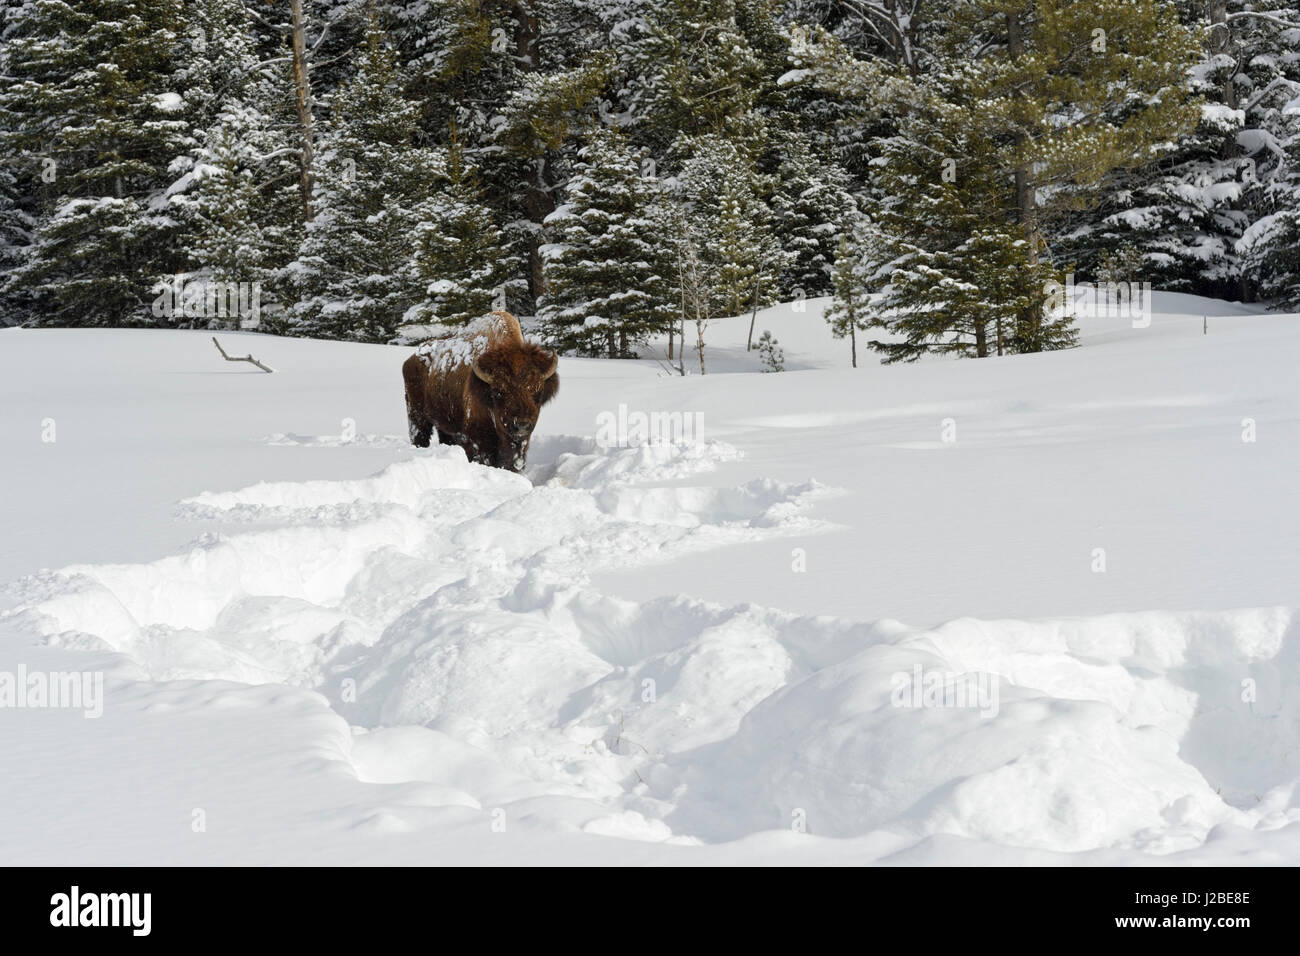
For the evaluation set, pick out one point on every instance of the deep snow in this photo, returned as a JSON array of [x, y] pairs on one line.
[[326, 646]]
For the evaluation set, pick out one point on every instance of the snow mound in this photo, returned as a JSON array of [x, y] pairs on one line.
[[339, 561], [1142, 732]]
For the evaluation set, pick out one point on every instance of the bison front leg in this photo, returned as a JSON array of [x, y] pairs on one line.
[[480, 455], [479, 449], [418, 425], [461, 440]]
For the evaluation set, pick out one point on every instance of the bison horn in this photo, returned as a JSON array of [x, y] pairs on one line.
[[480, 373], [550, 369]]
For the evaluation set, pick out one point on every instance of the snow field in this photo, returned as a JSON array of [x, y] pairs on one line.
[[369, 654]]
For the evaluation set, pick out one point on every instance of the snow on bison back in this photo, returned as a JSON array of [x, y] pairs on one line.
[[481, 387]]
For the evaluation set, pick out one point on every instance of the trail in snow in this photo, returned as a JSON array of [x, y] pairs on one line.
[[445, 610]]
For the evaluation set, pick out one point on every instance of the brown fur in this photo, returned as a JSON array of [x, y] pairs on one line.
[[493, 423]]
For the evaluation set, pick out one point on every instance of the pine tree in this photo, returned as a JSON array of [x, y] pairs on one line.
[[1270, 248], [855, 276], [16, 225], [139, 140], [461, 255], [537, 121], [770, 353], [695, 73], [606, 284], [1066, 92], [1267, 87], [235, 197], [1027, 107], [811, 202], [1187, 209], [17, 220], [960, 275], [970, 299], [356, 271], [733, 225], [92, 122]]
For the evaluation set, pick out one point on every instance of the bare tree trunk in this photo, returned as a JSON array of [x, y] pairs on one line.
[[302, 92], [853, 343], [699, 342], [681, 314], [670, 343], [753, 316]]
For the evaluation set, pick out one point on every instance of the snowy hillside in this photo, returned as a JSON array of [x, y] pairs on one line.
[[321, 645]]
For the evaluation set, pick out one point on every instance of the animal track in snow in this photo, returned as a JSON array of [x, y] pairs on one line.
[[444, 609]]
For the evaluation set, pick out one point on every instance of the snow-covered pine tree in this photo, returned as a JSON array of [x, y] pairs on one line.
[[465, 61], [356, 270], [461, 254], [1270, 248], [92, 121], [1177, 213], [733, 225], [534, 130], [1066, 92], [1187, 207], [960, 274], [855, 76], [606, 280], [236, 196], [695, 73], [970, 299], [16, 225], [811, 202], [1267, 35], [17, 219], [1023, 111]]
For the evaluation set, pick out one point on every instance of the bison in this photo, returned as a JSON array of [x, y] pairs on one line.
[[481, 388]]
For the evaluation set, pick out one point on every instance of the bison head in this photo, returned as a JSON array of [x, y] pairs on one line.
[[513, 383]]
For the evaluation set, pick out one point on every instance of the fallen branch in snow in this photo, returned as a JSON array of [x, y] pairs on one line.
[[668, 369], [236, 358]]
